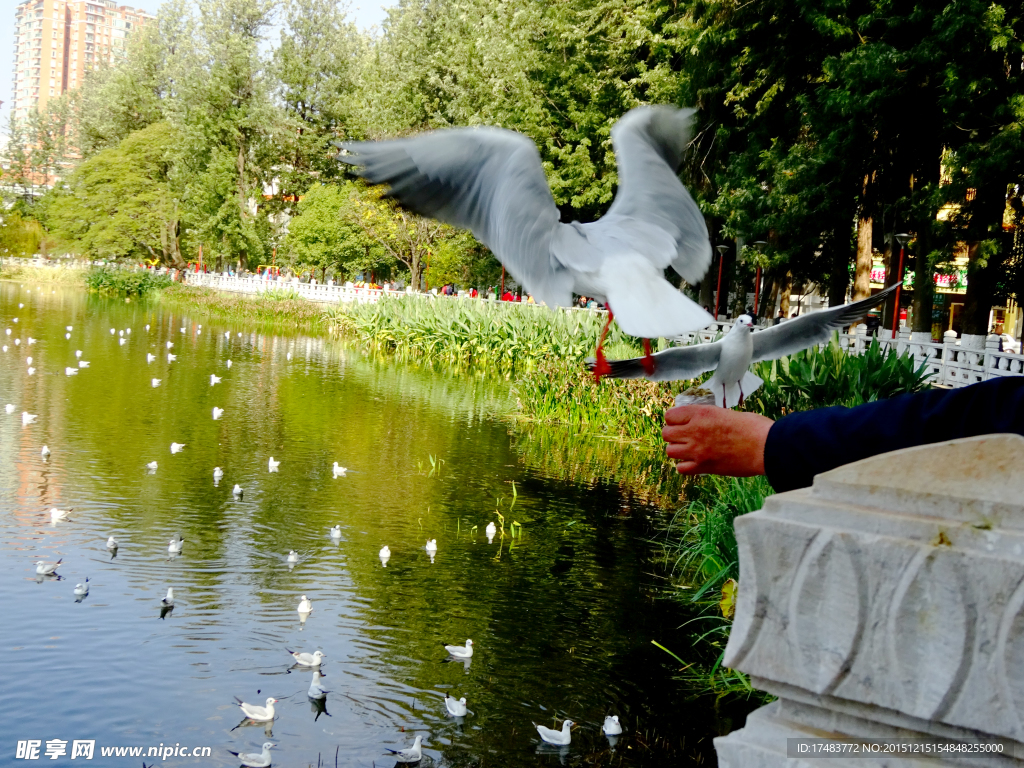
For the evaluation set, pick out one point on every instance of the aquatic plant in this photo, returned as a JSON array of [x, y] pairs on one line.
[[13, 269], [248, 310], [125, 282]]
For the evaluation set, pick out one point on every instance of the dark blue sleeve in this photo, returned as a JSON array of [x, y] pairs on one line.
[[802, 445]]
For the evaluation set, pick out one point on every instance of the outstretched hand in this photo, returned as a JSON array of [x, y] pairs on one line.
[[706, 439]]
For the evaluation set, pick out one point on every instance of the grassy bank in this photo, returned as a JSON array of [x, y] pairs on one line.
[[281, 309], [27, 273]]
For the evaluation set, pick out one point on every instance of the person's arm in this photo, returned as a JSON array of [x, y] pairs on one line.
[[791, 451]]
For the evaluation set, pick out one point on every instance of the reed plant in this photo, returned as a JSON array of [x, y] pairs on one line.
[[14, 270], [124, 282], [276, 311]]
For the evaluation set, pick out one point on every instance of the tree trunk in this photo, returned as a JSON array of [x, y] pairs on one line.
[[787, 290], [839, 271], [707, 286], [865, 240], [982, 273], [924, 282]]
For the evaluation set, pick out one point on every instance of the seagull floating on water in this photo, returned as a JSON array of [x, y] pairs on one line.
[[491, 530], [289, 356], [731, 356], [155, 383], [28, 360], [237, 491], [336, 532], [78, 353], [305, 605], [217, 412], [10, 407], [559, 738], [122, 341], [255, 759], [45, 451], [175, 545], [177, 447], [412, 754], [273, 465], [214, 379], [31, 371], [307, 659], [384, 555], [431, 546], [339, 470], [170, 344], [81, 590], [60, 514], [317, 691], [455, 707], [293, 556], [611, 726], [256, 712], [70, 371], [113, 331], [491, 181], [169, 599], [44, 568], [83, 363], [218, 473], [171, 358], [459, 651], [150, 357], [111, 543], [228, 363], [151, 465]]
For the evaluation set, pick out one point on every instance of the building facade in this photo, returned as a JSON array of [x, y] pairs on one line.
[[57, 41]]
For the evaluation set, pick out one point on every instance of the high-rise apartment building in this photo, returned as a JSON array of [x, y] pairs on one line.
[[57, 41]]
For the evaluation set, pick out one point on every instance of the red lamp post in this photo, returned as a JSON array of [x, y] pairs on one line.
[[722, 250], [902, 239]]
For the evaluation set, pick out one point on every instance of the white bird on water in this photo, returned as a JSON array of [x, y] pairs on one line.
[[289, 356], [317, 691], [217, 412], [338, 470], [44, 568], [10, 408], [559, 738], [150, 357], [256, 712], [174, 545], [67, 335], [412, 754], [113, 331], [611, 726], [308, 659], [170, 344], [169, 599], [122, 341], [491, 530], [455, 707], [111, 543], [81, 590], [31, 371], [459, 651], [273, 465], [214, 379], [227, 334], [431, 546], [78, 353], [120, 333], [147, 326], [28, 360], [177, 447], [83, 363], [305, 606], [384, 555], [59, 514], [293, 556], [228, 363], [171, 358], [45, 451], [336, 532], [255, 759], [183, 329], [731, 356], [151, 466], [218, 473], [155, 383], [70, 371], [237, 491]]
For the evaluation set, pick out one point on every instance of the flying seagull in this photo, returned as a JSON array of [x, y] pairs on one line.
[[491, 182], [731, 356]]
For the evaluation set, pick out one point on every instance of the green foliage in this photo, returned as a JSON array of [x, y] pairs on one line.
[[111, 280], [818, 378], [19, 236], [278, 310]]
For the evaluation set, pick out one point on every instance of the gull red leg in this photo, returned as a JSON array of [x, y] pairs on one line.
[[601, 367], [648, 361]]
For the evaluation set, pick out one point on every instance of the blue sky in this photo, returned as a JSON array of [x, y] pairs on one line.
[[366, 13]]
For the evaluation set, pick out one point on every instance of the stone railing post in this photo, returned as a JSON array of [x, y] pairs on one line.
[[886, 602]]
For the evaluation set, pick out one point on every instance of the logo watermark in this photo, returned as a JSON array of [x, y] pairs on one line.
[[86, 749]]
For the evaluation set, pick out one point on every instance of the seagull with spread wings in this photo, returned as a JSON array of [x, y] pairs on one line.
[[731, 356], [491, 182]]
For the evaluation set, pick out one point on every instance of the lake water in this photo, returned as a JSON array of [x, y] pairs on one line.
[[562, 616]]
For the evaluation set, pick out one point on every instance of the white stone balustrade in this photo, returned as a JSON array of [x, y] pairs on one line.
[[886, 602]]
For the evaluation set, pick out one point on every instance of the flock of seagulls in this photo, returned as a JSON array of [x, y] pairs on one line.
[[265, 713]]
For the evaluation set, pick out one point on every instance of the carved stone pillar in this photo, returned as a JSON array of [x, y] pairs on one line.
[[887, 602]]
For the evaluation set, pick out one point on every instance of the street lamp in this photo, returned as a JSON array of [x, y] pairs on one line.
[[722, 250], [759, 244], [903, 238]]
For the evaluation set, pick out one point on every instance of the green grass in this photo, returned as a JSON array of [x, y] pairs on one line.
[[13, 270], [125, 282], [279, 309]]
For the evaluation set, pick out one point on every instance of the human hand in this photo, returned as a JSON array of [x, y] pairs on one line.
[[706, 439]]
